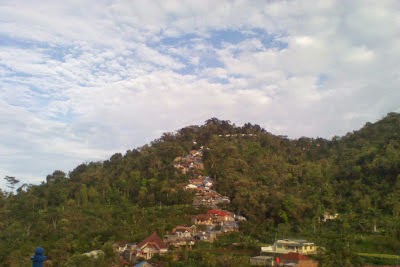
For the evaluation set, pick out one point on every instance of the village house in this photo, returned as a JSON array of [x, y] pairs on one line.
[[190, 186], [328, 216], [284, 246], [196, 182], [184, 231], [239, 218], [176, 241], [126, 250], [262, 261], [94, 254], [220, 216], [193, 153], [230, 227], [198, 165], [208, 235], [222, 200], [207, 201], [177, 159], [120, 246], [197, 201], [150, 246], [203, 219]]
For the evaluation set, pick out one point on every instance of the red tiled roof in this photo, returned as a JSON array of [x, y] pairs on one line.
[[294, 256], [218, 212], [203, 217], [155, 239]]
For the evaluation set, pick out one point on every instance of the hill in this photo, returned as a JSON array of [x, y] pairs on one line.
[[282, 186]]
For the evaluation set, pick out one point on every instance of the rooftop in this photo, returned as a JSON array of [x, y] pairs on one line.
[[294, 242]]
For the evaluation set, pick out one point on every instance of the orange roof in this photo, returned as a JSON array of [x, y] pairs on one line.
[[218, 212], [154, 239], [203, 217]]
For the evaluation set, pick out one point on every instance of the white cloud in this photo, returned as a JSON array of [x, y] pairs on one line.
[[81, 80]]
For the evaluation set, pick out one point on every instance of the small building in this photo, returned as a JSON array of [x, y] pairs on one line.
[[221, 215], [284, 246], [203, 219], [184, 231], [150, 246], [328, 216], [262, 261], [94, 254]]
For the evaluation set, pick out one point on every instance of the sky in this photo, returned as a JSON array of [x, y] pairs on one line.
[[82, 80]]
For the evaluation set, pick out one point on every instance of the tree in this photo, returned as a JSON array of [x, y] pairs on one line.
[[11, 182], [337, 246]]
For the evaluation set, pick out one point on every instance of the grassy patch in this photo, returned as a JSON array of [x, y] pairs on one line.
[[380, 259]]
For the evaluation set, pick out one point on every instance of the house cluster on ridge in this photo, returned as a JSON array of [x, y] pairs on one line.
[[193, 161], [213, 223], [202, 184], [217, 222]]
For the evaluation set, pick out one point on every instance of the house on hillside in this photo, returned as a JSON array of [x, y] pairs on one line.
[[184, 231], [94, 254], [120, 246], [220, 216], [230, 227], [198, 165], [191, 186], [193, 152], [328, 216], [262, 261], [197, 182], [126, 250], [150, 246], [284, 246], [203, 219]]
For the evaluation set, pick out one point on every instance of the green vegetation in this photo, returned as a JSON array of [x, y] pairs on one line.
[[283, 187]]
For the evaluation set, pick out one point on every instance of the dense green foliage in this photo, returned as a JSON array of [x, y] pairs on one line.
[[282, 186]]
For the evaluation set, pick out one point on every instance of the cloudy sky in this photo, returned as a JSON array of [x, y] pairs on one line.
[[81, 80]]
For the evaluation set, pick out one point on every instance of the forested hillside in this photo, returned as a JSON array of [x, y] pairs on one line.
[[282, 186]]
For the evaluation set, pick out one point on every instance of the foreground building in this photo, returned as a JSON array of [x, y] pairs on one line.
[[151, 246], [284, 246]]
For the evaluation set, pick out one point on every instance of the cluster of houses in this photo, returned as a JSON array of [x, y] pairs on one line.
[[193, 161], [205, 196], [202, 184], [206, 227], [215, 221], [287, 253]]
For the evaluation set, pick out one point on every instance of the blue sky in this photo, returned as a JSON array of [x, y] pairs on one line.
[[82, 80]]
